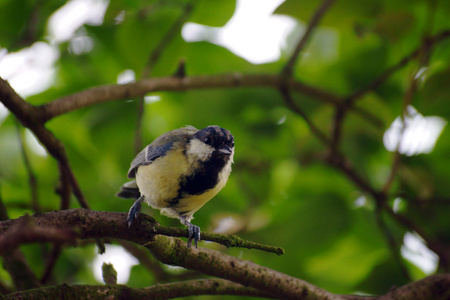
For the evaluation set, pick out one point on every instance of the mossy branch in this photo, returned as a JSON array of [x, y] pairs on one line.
[[100, 224], [228, 240]]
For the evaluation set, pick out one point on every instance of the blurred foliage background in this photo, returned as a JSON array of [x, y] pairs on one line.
[[282, 191]]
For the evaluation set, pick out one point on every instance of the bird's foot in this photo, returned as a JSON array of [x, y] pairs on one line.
[[134, 211], [194, 234]]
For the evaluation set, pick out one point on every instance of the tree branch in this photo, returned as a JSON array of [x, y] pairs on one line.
[[288, 69], [431, 287], [15, 264], [403, 62], [153, 265], [28, 115], [95, 224], [26, 232], [152, 60], [214, 263], [391, 241], [92, 225], [57, 150], [295, 108], [160, 291], [23, 278], [32, 181], [228, 240]]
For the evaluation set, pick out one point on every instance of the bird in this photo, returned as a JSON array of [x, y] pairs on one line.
[[179, 172]]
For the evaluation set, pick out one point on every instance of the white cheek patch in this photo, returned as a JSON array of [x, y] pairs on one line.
[[199, 150]]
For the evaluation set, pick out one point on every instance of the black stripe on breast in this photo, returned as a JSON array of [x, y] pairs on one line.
[[203, 179]]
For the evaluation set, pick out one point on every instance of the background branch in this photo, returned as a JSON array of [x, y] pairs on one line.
[[152, 60], [14, 262], [351, 157], [295, 108], [160, 291], [403, 62], [288, 69], [28, 116], [32, 181]]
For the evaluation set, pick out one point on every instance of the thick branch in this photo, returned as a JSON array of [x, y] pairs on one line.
[[107, 93], [25, 232], [30, 117], [432, 287], [160, 291], [214, 263], [95, 224], [98, 224]]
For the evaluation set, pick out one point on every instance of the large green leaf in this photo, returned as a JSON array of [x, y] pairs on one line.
[[213, 13]]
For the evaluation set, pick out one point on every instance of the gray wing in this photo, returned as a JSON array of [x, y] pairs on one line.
[[160, 147]]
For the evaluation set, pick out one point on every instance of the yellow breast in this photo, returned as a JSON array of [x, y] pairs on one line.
[[159, 181]]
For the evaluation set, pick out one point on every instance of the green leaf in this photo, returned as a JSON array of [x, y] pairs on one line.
[[340, 14], [213, 13]]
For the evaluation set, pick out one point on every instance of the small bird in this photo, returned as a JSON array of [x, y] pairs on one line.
[[179, 172]]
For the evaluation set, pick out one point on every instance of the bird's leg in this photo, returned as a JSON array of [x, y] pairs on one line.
[[194, 233], [134, 211]]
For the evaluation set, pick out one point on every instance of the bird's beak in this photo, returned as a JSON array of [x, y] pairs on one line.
[[225, 150]]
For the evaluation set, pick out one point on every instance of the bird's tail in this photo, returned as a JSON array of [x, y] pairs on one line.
[[129, 190]]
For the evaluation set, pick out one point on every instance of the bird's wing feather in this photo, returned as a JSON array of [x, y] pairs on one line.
[[159, 147]]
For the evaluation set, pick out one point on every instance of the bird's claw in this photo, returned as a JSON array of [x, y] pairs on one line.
[[194, 234], [134, 212]]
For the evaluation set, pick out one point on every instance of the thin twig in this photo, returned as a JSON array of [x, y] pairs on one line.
[[403, 62], [152, 60], [138, 130], [423, 201], [344, 165], [3, 211], [288, 68], [32, 181], [154, 266], [391, 242], [336, 129], [173, 31], [51, 263], [64, 189], [15, 263], [57, 150], [296, 108], [423, 57], [441, 249], [228, 240]]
